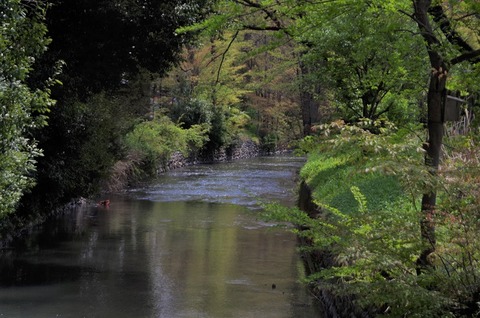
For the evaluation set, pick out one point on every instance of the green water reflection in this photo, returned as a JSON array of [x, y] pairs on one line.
[[156, 259]]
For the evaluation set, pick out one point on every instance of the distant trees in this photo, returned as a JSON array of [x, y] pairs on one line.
[[22, 109], [110, 52], [274, 61], [242, 88]]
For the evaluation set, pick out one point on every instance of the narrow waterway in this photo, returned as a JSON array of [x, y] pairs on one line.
[[190, 244]]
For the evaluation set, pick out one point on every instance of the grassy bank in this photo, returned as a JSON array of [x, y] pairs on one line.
[[367, 187], [332, 177]]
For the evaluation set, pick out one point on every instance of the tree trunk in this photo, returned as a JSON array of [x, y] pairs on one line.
[[435, 103], [310, 107]]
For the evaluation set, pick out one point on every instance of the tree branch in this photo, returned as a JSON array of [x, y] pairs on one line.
[[455, 38], [224, 54], [380, 113], [465, 16], [443, 22], [270, 14], [258, 28], [421, 17], [473, 56]]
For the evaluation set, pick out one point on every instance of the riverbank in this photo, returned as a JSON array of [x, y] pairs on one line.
[[329, 238], [15, 226], [242, 150], [363, 245], [125, 172], [317, 260]]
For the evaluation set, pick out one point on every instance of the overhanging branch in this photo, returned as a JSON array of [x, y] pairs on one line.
[[455, 38], [259, 28], [224, 54], [473, 56]]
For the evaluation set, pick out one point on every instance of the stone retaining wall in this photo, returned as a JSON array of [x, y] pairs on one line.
[[243, 150]]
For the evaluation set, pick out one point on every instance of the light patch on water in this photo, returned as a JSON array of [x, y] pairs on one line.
[[247, 182], [239, 281]]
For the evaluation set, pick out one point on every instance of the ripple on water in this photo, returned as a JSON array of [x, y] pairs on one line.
[[246, 182], [239, 281]]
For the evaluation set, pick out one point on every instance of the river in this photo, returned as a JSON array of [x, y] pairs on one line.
[[189, 244]]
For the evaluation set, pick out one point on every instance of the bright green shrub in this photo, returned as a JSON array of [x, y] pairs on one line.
[[158, 139]]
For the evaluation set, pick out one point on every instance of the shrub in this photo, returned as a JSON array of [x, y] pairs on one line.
[[191, 112], [155, 141]]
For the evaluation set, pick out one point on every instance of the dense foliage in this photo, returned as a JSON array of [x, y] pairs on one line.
[[251, 86], [363, 62], [22, 109], [110, 52], [369, 188], [106, 43], [400, 218]]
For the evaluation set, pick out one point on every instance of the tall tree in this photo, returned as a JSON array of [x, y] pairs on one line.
[[358, 52], [427, 14], [22, 40]]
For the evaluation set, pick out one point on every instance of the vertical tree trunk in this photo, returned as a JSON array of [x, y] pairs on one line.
[[308, 104], [435, 103]]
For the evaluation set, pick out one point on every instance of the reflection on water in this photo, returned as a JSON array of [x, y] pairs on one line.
[[155, 258]]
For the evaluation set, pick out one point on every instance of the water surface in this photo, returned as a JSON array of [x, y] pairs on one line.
[[184, 246]]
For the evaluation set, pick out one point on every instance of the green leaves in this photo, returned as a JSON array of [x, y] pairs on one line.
[[22, 39], [155, 141], [367, 179], [361, 51], [211, 26]]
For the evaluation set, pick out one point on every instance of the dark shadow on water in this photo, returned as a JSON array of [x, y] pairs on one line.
[[18, 272]]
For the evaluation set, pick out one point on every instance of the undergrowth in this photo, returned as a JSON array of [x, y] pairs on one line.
[[368, 187]]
